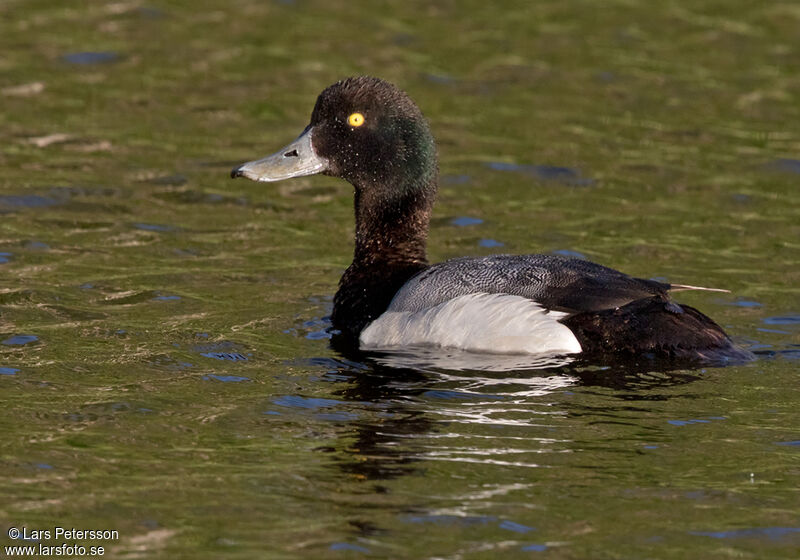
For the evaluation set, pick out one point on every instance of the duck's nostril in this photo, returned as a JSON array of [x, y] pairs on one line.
[[293, 153]]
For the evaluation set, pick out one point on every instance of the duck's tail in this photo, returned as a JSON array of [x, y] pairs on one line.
[[658, 327]]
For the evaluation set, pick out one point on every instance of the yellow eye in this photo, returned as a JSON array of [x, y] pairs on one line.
[[355, 119]]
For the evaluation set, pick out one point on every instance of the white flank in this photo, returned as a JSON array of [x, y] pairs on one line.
[[492, 323]]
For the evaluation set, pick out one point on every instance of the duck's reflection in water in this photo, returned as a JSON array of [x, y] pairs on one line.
[[502, 410], [427, 358], [502, 428]]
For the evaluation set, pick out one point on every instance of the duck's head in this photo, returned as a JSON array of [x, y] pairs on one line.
[[364, 130]]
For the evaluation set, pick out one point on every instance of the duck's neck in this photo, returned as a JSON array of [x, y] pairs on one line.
[[390, 247], [391, 230]]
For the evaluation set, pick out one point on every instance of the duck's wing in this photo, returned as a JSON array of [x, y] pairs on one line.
[[554, 282]]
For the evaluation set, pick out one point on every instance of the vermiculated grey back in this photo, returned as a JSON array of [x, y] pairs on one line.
[[560, 283]]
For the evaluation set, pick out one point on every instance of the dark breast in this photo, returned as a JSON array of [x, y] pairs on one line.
[[365, 292]]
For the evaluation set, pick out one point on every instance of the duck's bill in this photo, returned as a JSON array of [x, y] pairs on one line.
[[295, 160]]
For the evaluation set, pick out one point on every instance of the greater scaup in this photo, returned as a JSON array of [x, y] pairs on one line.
[[371, 134]]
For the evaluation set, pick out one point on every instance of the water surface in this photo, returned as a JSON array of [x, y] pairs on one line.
[[164, 360]]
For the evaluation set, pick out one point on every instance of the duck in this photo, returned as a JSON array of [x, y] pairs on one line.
[[370, 133]]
